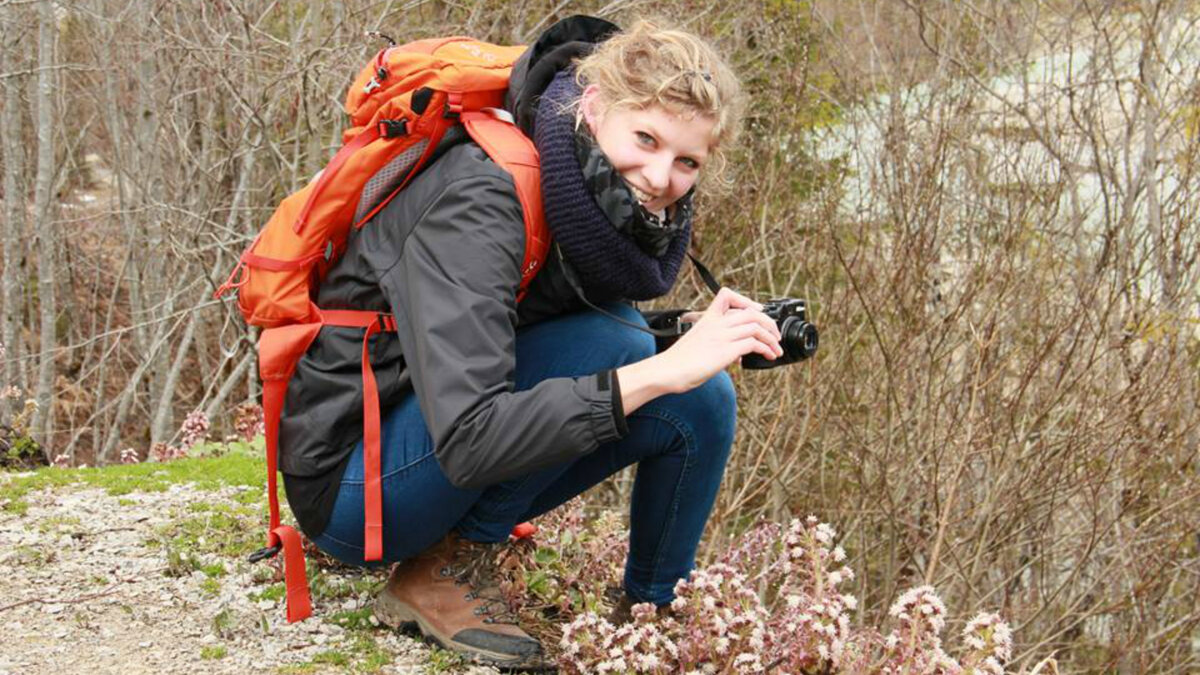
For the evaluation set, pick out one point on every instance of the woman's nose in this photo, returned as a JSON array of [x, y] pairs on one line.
[[657, 173]]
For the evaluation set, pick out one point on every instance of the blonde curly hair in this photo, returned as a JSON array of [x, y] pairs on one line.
[[648, 64]]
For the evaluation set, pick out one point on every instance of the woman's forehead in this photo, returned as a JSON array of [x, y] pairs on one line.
[[689, 132]]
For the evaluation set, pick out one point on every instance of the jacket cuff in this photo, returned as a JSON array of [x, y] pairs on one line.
[[607, 381]]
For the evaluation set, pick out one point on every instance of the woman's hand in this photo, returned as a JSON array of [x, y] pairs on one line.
[[731, 327]]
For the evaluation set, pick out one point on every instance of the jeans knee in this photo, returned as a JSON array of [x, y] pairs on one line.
[[629, 344], [714, 412]]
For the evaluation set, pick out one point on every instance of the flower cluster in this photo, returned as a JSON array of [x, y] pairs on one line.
[[165, 452], [129, 456], [593, 645], [248, 421], [194, 429], [774, 603], [812, 626], [915, 645], [989, 640]]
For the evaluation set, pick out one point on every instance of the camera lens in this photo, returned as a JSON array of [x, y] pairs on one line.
[[800, 338]]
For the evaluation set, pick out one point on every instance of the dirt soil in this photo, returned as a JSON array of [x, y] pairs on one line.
[[82, 590]]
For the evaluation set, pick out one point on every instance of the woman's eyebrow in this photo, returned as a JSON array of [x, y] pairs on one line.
[[696, 155]]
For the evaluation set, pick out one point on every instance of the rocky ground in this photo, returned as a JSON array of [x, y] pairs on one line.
[[156, 582]]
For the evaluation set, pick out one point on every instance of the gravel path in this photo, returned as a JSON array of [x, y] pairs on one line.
[[81, 590]]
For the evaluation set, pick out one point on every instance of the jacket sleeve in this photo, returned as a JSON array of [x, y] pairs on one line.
[[453, 292]]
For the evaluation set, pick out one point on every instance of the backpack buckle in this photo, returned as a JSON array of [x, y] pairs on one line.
[[264, 553], [393, 128], [387, 322]]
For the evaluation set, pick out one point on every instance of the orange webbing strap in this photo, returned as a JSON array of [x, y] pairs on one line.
[[373, 322], [516, 154], [299, 603]]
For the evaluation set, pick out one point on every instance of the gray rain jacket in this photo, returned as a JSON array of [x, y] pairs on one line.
[[444, 258]]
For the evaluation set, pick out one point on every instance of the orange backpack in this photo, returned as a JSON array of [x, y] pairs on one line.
[[400, 106]]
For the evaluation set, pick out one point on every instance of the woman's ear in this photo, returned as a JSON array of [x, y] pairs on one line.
[[591, 107]]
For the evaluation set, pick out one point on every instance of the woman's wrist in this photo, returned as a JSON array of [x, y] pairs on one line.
[[643, 382]]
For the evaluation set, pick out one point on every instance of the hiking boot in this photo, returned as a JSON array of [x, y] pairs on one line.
[[451, 594]]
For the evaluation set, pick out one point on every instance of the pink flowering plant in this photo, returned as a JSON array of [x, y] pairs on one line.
[[776, 602], [248, 421]]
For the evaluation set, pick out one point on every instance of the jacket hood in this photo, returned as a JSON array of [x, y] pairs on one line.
[[553, 51]]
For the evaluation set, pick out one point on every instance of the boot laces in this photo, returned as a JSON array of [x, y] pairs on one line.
[[475, 564]]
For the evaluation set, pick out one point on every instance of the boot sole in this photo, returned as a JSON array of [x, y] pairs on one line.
[[399, 615]]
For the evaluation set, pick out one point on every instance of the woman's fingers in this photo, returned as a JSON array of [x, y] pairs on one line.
[[760, 334], [728, 299], [736, 318]]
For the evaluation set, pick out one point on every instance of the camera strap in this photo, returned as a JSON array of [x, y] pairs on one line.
[[673, 331]]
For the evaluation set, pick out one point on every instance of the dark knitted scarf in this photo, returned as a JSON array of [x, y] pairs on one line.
[[591, 217]]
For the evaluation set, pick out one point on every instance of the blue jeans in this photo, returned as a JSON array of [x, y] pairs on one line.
[[680, 443]]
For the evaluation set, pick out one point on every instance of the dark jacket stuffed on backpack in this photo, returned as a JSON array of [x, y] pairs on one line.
[[444, 259]]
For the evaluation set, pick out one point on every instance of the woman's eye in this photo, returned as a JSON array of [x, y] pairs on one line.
[[645, 138], [690, 163]]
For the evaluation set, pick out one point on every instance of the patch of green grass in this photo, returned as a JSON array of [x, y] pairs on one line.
[[220, 529], [214, 570], [274, 592], [210, 587], [326, 586], [32, 556], [332, 658], [444, 661], [213, 652], [60, 524], [363, 655], [222, 623], [354, 619], [242, 464]]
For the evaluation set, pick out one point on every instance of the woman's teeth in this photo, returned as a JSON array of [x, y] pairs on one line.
[[642, 197]]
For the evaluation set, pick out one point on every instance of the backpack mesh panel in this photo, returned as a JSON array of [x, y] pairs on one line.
[[388, 178]]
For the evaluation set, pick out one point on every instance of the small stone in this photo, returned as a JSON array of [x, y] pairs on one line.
[[53, 608], [145, 644]]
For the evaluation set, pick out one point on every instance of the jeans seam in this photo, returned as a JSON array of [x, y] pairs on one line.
[[382, 476], [507, 498], [326, 535], [689, 455]]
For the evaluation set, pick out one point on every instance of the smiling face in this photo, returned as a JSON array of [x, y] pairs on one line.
[[660, 154]]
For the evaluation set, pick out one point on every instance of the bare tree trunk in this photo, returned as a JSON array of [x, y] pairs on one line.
[[44, 224], [14, 207], [239, 371]]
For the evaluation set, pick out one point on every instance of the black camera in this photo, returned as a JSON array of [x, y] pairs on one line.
[[798, 337]]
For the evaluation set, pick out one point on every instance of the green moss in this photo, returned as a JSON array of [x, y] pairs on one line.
[[242, 464]]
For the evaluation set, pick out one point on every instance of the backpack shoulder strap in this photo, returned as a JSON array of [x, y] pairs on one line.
[[512, 150]]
